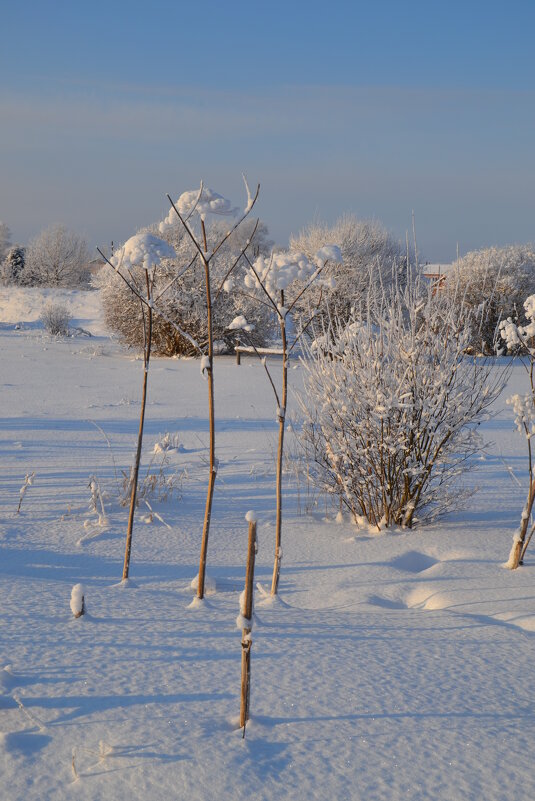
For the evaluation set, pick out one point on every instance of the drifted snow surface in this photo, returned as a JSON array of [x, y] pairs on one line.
[[392, 666]]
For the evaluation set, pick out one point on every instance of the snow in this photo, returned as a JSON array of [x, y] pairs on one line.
[[201, 201], [142, 250], [239, 323], [205, 365], [391, 666], [22, 307], [210, 584], [328, 253]]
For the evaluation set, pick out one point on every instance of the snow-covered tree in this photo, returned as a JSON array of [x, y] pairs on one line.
[[493, 282], [390, 406], [12, 268], [520, 339], [5, 240], [184, 303], [371, 261], [56, 257], [190, 212]]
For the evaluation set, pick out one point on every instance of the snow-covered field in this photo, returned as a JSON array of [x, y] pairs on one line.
[[393, 666]]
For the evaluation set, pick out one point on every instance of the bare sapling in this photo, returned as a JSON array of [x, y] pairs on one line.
[[136, 263], [28, 481], [147, 339], [203, 203], [520, 339], [245, 622], [269, 280]]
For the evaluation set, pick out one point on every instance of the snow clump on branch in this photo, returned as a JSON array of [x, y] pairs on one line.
[[143, 250], [203, 201], [240, 324], [282, 269], [519, 335]]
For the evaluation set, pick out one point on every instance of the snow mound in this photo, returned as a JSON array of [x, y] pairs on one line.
[[413, 562], [209, 584], [23, 306]]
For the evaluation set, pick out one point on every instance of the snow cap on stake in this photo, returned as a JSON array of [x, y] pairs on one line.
[[78, 600]]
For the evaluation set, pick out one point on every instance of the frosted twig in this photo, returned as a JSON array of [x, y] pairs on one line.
[[28, 481]]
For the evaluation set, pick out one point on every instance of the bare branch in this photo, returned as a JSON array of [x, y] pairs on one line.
[[175, 279], [264, 362], [237, 224], [227, 274], [261, 284], [158, 310]]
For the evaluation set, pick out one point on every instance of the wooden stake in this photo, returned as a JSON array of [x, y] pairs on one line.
[[247, 614]]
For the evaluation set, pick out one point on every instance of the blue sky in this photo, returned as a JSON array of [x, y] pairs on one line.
[[376, 108]]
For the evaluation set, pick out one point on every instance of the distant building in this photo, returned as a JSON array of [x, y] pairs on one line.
[[436, 274]]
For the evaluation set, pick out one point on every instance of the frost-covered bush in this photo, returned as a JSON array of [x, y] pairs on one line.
[[56, 318], [390, 406], [56, 257], [493, 283], [184, 302], [371, 261]]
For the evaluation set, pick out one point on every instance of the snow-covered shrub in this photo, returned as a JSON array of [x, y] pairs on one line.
[[493, 282], [371, 261], [56, 257], [390, 405], [521, 340], [56, 318], [161, 481], [184, 303]]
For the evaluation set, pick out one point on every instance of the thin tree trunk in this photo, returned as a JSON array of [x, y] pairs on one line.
[[211, 417], [246, 643], [282, 423], [520, 544], [147, 331]]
